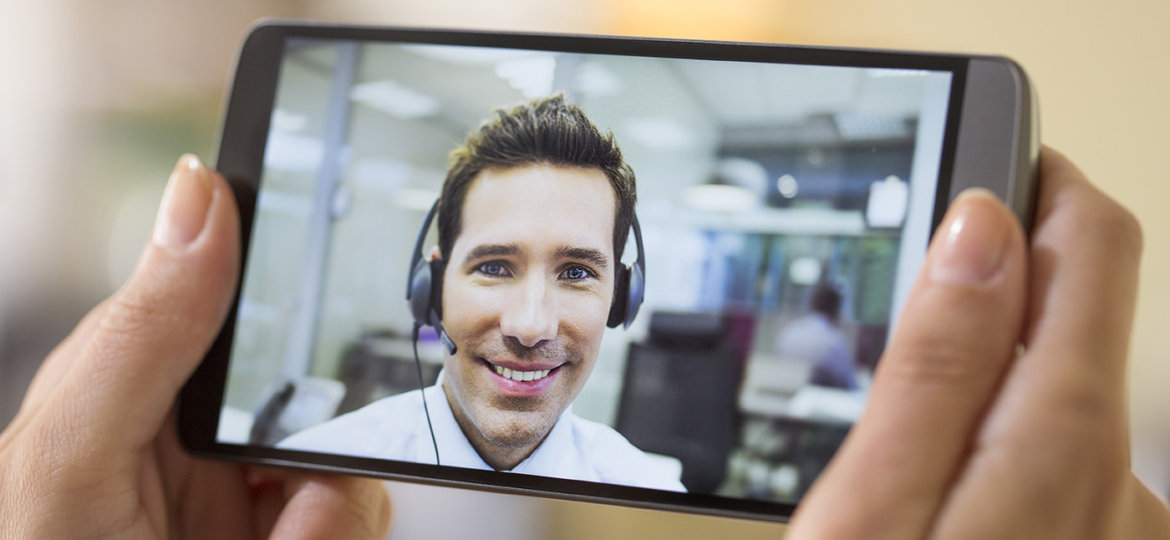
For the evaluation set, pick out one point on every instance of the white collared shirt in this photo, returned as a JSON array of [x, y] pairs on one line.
[[395, 428]]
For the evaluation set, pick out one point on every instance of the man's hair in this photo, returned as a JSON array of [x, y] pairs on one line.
[[546, 131], [826, 301]]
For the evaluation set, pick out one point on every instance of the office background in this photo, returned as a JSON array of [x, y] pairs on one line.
[[109, 94]]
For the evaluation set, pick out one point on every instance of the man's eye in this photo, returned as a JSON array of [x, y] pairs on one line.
[[493, 269], [576, 273]]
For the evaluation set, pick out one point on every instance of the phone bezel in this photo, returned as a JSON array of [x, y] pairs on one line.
[[989, 96]]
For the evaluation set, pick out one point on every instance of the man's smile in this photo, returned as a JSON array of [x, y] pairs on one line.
[[517, 375], [525, 379]]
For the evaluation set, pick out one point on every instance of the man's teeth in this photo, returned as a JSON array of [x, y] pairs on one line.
[[521, 375]]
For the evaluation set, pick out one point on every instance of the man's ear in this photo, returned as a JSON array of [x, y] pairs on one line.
[[434, 254]]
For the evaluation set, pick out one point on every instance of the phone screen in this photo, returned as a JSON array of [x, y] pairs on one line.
[[784, 210]]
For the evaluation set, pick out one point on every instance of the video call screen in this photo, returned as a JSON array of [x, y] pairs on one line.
[[784, 210]]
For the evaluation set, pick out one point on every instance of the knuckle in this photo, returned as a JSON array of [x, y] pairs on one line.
[[950, 334], [1095, 218], [131, 315], [127, 313], [38, 455], [1073, 430], [1092, 427], [129, 321], [1123, 227], [1109, 223], [935, 360], [385, 513], [369, 518]]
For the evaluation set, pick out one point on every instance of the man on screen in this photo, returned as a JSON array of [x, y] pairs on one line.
[[533, 218]]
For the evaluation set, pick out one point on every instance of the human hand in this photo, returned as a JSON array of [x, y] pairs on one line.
[[93, 450], [966, 436]]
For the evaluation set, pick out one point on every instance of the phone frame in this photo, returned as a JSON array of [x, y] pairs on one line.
[[990, 97]]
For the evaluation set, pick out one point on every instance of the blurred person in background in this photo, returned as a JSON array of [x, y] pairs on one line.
[[816, 338]]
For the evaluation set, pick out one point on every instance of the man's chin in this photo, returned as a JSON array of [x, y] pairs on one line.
[[523, 430]]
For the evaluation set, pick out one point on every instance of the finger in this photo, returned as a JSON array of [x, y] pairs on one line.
[[1057, 433], [203, 498], [1085, 252], [320, 506], [57, 363], [153, 332], [955, 338]]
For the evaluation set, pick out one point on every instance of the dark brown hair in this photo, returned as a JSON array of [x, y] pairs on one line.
[[545, 131], [826, 301]]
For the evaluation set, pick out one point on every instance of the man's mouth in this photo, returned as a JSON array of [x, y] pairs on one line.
[[516, 377], [522, 381], [522, 376]]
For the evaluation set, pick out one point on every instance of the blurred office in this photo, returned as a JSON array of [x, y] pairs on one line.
[[109, 94]]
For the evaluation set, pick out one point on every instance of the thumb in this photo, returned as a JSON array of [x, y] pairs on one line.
[[955, 339], [148, 338]]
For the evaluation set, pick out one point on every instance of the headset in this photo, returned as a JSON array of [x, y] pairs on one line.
[[424, 292], [424, 288]]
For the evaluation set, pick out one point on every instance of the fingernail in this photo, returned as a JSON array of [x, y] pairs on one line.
[[184, 205], [973, 242]]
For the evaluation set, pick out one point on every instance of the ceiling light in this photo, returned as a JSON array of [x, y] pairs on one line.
[[532, 76], [804, 271], [659, 132], [468, 56], [720, 198], [293, 152], [288, 122], [596, 80], [395, 99], [887, 202], [416, 199], [854, 126], [787, 186]]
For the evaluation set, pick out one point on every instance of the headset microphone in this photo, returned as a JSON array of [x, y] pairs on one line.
[[445, 339]]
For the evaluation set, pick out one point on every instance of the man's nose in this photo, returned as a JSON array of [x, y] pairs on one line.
[[530, 317]]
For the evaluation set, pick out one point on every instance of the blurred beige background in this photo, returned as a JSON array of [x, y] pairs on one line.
[[99, 98]]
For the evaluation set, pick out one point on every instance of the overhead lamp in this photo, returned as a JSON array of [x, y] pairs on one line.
[[288, 121], [395, 99], [594, 79], [887, 202], [532, 76], [720, 198], [416, 199], [787, 186], [804, 271], [659, 132]]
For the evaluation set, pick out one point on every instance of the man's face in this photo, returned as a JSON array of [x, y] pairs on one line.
[[526, 294]]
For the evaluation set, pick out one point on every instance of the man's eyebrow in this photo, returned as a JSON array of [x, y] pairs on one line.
[[493, 250], [591, 255]]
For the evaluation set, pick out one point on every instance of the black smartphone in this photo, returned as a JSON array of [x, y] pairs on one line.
[[647, 272]]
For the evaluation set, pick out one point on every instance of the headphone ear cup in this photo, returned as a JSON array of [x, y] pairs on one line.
[[437, 267], [621, 287], [635, 291], [420, 291]]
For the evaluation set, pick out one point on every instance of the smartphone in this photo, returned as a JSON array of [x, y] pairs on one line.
[[646, 272]]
